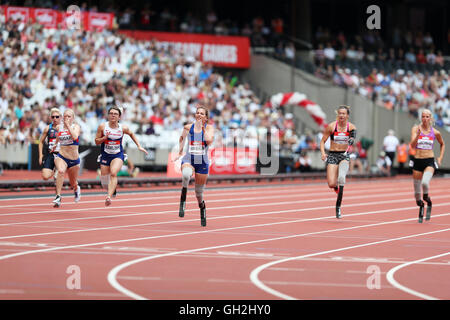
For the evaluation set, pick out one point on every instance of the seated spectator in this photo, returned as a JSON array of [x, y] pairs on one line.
[[420, 57], [384, 164]]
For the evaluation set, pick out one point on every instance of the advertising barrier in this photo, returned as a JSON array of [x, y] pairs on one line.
[[224, 161], [72, 18], [225, 51]]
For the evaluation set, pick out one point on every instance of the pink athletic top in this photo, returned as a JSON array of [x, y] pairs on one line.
[[426, 141]]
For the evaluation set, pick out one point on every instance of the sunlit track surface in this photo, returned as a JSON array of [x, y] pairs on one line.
[[277, 241]]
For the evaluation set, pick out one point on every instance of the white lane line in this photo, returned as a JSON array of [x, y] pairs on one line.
[[285, 195], [112, 275], [392, 281], [212, 193], [17, 254], [309, 185], [255, 273], [296, 283], [240, 215], [188, 210]]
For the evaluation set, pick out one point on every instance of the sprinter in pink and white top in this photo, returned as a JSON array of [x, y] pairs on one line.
[[424, 164], [109, 136]]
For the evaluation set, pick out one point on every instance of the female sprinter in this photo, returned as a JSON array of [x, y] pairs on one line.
[[67, 159], [424, 165], [200, 136], [109, 136], [48, 137], [342, 134]]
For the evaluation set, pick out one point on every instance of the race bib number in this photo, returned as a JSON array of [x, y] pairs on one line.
[[341, 137], [51, 143], [196, 148], [112, 147], [65, 138], [425, 143]]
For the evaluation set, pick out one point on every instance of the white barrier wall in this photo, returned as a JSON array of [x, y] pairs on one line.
[[14, 153]]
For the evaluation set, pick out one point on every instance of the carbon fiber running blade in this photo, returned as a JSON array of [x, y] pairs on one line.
[[421, 214], [428, 216]]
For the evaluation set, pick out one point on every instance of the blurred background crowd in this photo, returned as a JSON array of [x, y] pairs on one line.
[[158, 88]]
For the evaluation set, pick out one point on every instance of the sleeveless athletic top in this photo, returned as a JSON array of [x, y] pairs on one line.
[[65, 138], [340, 137], [51, 138], [426, 141], [197, 144], [113, 143]]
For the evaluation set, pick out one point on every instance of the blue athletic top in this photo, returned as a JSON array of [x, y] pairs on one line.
[[197, 147], [51, 138]]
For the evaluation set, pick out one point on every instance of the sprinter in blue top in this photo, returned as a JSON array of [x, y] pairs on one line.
[[200, 136], [47, 141]]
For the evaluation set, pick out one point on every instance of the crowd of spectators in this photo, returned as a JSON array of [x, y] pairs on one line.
[[405, 74], [145, 16], [157, 88]]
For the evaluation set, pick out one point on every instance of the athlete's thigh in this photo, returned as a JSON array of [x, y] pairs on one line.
[[332, 172], [60, 164], [47, 173], [429, 169], [187, 165], [115, 165], [104, 170], [200, 178], [73, 172], [417, 175]]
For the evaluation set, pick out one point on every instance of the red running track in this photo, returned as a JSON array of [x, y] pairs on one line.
[[262, 242]]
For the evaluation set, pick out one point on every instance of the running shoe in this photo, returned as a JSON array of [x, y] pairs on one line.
[[203, 214], [57, 202], [338, 212], [115, 193], [135, 172], [108, 201], [77, 194], [336, 189]]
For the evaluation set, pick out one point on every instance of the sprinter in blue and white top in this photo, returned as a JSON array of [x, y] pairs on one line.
[[109, 136], [48, 137], [200, 136]]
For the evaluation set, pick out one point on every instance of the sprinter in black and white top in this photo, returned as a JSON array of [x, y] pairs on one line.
[[342, 134], [109, 136]]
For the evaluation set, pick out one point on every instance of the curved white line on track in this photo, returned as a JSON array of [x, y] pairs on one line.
[[254, 274], [112, 275], [395, 283]]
